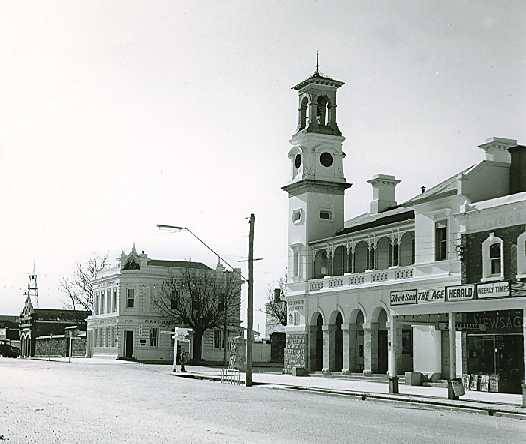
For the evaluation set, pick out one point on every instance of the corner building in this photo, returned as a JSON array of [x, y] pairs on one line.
[[348, 278]]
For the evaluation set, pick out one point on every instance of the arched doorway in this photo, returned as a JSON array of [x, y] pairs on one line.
[[382, 342], [316, 348], [319, 343], [338, 343]]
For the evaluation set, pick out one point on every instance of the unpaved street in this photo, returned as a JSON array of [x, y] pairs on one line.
[[90, 401]]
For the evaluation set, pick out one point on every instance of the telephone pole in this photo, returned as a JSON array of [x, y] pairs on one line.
[[250, 303]]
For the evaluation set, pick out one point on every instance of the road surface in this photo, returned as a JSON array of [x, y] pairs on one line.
[[95, 401]]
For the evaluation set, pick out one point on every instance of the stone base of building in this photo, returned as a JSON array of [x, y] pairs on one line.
[[294, 353]]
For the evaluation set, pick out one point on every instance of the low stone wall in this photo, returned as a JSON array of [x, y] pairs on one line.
[[294, 353], [57, 346], [50, 346]]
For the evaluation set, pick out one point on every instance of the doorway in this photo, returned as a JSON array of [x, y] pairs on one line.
[[128, 345]]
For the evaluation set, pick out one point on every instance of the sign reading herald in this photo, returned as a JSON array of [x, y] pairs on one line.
[[460, 293]]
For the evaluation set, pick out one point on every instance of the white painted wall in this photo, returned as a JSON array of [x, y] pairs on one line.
[[424, 239], [427, 353]]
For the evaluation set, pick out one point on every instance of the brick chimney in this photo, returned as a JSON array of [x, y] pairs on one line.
[[383, 192], [517, 169], [496, 149]]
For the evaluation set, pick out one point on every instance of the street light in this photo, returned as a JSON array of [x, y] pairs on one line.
[[249, 281], [175, 229]]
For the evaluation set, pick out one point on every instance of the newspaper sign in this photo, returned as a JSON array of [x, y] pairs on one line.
[[402, 297], [493, 290], [431, 295], [460, 293]]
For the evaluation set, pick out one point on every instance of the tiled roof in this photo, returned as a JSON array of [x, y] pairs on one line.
[[319, 79], [385, 218], [177, 264]]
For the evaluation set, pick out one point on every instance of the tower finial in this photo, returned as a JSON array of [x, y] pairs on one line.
[[317, 64]]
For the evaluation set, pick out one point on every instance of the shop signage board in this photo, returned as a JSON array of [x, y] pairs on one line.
[[460, 293], [493, 290], [431, 295], [403, 297]]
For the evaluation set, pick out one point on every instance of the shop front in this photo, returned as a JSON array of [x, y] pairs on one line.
[[481, 329], [494, 353]]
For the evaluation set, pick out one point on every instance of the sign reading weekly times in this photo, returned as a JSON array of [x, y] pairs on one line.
[[403, 297], [493, 290], [460, 293]]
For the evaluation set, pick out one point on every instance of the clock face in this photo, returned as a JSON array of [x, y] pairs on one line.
[[297, 160], [326, 159]]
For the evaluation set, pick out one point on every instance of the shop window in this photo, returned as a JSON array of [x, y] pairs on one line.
[[521, 256], [492, 258], [441, 241], [154, 337], [407, 342], [130, 297]]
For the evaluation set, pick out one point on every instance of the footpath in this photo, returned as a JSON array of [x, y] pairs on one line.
[[493, 404]]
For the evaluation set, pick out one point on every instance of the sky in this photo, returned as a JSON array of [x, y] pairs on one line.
[[117, 116]]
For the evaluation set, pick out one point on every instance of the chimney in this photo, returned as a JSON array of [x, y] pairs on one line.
[[496, 149], [383, 192], [517, 169]]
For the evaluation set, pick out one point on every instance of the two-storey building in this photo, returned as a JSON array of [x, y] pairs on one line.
[[348, 279], [127, 323]]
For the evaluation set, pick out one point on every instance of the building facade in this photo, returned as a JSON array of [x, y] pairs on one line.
[[40, 327], [348, 279], [127, 323]]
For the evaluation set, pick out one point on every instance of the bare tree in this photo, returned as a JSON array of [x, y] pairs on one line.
[[78, 288], [276, 306], [201, 300]]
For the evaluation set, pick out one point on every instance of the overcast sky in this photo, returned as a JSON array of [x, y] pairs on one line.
[[116, 116]]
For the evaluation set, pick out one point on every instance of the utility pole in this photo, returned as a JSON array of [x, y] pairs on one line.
[[250, 303]]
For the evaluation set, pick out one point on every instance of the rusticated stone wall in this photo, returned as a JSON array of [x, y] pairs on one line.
[[294, 355]]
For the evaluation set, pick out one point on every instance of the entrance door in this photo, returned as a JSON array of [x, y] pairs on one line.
[[128, 344], [382, 351]]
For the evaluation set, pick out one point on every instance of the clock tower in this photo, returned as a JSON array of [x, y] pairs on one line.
[[317, 184]]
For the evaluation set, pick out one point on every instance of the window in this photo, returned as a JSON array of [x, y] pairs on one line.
[[492, 258], [219, 340], [441, 241], [96, 303], [296, 262], [297, 160], [130, 297], [325, 214], [102, 293], [326, 159], [521, 256], [297, 216], [108, 300], [154, 337], [114, 304]]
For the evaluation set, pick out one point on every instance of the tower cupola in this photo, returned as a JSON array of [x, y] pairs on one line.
[[317, 104]]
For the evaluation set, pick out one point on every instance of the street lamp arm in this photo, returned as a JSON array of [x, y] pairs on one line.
[[177, 228]]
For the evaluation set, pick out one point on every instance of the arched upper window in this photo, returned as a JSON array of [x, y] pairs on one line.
[[521, 256], [322, 111], [492, 258], [304, 113]]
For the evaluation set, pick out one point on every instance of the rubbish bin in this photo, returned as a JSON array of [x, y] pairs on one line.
[[393, 384], [455, 388]]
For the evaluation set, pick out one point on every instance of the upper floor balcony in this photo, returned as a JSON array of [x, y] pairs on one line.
[[371, 278]]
